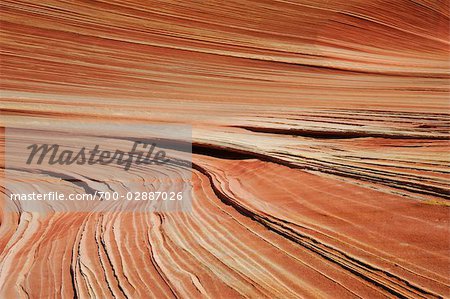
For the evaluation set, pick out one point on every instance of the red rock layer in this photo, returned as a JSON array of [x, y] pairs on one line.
[[320, 139]]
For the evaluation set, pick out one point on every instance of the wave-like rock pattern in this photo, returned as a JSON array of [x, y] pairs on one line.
[[320, 147]]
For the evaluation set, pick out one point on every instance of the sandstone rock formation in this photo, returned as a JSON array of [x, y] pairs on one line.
[[320, 164]]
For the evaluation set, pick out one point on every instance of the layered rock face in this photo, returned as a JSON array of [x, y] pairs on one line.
[[320, 151]]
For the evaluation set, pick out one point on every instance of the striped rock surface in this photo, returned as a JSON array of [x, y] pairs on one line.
[[320, 139]]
